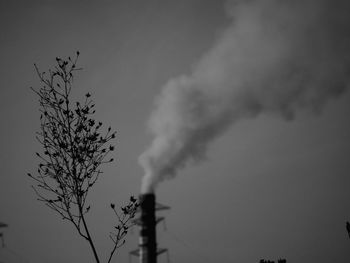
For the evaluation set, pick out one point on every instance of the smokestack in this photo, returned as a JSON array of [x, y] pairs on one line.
[[147, 241]]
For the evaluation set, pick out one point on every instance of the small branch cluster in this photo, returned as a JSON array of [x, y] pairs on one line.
[[124, 223], [74, 149]]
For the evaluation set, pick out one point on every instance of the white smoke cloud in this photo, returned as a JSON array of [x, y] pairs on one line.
[[275, 57]]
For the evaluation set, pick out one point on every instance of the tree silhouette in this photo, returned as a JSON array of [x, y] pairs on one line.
[[271, 261], [74, 150]]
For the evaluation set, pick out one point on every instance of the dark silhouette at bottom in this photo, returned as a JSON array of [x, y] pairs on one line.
[[270, 261]]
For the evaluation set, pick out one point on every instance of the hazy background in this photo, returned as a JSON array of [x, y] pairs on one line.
[[269, 189]]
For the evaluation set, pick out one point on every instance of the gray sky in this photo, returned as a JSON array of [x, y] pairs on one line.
[[269, 188]]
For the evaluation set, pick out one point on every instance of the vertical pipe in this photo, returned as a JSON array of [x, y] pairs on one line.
[[147, 241]]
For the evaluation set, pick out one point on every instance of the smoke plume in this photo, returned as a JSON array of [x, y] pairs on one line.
[[277, 56]]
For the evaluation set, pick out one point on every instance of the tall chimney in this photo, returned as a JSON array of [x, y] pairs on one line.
[[147, 241]]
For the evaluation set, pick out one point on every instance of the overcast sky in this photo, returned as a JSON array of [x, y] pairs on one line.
[[268, 188]]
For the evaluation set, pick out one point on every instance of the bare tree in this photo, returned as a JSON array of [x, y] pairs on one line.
[[271, 261], [74, 150]]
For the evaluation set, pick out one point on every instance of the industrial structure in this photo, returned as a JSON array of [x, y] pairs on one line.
[[2, 225], [147, 221]]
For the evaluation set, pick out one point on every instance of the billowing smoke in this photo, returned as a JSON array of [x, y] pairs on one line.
[[277, 56]]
